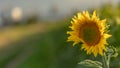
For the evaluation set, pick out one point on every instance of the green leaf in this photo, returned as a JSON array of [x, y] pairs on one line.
[[112, 51], [91, 63]]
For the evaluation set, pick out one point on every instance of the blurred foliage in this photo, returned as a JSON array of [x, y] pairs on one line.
[[50, 49]]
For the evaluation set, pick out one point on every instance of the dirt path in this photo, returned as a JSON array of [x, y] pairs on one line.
[[12, 34]]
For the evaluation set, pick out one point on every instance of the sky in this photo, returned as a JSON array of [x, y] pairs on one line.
[[43, 6]]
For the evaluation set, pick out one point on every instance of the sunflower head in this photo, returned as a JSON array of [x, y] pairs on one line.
[[89, 30]]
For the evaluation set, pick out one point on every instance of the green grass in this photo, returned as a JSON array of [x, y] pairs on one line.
[[50, 50]]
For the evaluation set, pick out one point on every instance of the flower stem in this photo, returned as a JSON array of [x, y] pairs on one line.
[[105, 61]]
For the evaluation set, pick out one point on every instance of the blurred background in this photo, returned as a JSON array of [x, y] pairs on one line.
[[33, 32]]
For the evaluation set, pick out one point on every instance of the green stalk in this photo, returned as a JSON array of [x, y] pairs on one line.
[[106, 61]]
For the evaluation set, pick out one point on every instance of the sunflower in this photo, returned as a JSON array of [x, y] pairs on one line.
[[89, 30]]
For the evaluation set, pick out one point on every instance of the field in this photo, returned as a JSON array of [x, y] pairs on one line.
[[44, 45]]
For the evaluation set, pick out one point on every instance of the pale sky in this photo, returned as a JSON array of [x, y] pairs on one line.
[[64, 6]]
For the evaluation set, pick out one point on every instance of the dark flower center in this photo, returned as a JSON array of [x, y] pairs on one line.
[[90, 33]]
